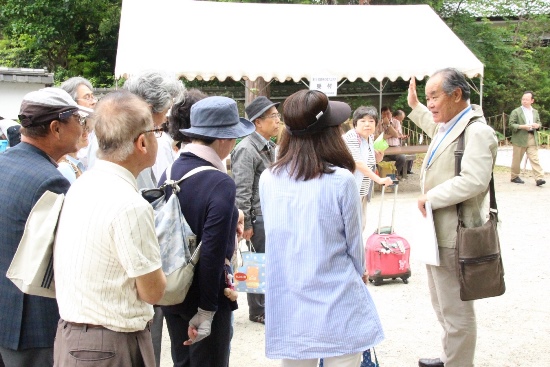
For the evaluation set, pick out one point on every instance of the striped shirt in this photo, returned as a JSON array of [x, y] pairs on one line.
[[314, 263], [362, 151], [105, 240]]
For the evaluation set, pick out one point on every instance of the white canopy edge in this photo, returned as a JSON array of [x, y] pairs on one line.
[[207, 40]]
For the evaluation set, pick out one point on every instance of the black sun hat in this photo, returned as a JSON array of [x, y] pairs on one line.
[[258, 106]]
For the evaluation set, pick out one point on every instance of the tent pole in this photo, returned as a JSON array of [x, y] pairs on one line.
[[343, 81], [481, 91], [380, 99]]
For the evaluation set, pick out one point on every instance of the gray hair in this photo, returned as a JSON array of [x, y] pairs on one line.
[[119, 118], [398, 113], [70, 85], [363, 111], [159, 90], [453, 79]]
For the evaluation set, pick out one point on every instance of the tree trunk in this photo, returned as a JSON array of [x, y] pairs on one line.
[[256, 88]]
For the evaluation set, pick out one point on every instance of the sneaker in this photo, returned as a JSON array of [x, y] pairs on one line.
[[410, 172], [540, 182], [257, 318], [519, 180]]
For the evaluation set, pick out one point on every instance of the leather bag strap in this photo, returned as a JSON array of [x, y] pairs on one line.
[[459, 152]]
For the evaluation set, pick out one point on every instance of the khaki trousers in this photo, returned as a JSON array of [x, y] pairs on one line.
[[457, 317], [79, 345], [533, 155]]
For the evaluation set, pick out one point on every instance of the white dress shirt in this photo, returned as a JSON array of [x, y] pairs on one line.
[[105, 240]]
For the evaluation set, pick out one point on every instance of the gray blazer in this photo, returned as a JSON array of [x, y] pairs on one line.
[[443, 188], [248, 160]]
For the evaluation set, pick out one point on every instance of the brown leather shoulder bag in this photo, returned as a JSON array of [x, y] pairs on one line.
[[480, 270]]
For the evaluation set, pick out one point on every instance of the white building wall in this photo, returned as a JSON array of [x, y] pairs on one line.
[[11, 95]]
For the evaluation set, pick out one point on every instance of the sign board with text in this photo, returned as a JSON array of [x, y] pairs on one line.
[[326, 84]]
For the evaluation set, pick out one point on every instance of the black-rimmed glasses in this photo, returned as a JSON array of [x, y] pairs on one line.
[[157, 131], [65, 116]]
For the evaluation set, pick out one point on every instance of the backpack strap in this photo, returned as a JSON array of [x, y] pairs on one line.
[[175, 183]]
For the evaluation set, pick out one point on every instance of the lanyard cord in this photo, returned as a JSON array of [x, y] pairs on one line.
[[448, 131]]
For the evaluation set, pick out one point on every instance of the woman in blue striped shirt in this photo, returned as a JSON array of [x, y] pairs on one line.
[[317, 303]]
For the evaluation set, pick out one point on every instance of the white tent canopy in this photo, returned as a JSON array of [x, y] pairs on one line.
[[207, 40]]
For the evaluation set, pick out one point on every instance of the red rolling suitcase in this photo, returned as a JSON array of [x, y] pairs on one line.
[[386, 252]]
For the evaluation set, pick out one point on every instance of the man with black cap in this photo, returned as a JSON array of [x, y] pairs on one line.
[[249, 159], [51, 125]]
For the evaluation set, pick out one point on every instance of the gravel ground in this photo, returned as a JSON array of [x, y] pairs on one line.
[[513, 330]]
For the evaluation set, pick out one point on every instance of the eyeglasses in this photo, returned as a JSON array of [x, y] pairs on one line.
[[273, 116], [65, 116], [157, 131], [89, 98]]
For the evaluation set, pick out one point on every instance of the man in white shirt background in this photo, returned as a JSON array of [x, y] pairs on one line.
[[524, 122], [393, 134]]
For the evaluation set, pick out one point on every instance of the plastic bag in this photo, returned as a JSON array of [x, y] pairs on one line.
[[380, 143]]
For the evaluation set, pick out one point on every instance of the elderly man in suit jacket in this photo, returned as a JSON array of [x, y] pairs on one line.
[[524, 122], [447, 115], [51, 125]]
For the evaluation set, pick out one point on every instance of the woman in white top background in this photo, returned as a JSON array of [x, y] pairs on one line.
[[317, 304], [360, 142]]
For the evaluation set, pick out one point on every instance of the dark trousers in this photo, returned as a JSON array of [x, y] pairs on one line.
[[156, 333], [39, 357], [81, 345], [400, 161], [212, 351], [256, 302]]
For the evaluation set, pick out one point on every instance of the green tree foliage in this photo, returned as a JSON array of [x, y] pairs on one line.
[[508, 37], [69, 37]]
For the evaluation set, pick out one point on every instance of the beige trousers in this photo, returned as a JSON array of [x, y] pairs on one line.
[[457, 317], [77, 345], [347, 360], [533, 155]]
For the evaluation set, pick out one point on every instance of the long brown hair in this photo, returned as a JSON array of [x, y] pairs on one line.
[[310, 156]]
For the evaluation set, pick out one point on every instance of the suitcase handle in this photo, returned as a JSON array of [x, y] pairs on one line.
[[395, 186]]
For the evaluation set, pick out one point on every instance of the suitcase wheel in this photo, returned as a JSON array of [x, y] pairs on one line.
[[405, 280], [378, 281]]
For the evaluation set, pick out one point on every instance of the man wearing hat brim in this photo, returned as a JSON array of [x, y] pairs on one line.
[[208, 204], [249, 159], [51, 125]]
